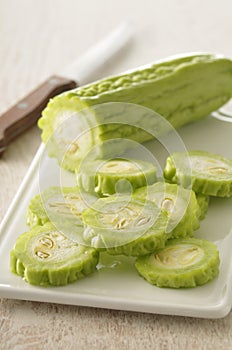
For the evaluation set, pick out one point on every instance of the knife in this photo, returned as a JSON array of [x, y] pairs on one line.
[[27, 111]]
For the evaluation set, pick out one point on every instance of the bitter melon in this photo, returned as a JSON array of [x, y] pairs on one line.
[[183, 263], [181, 205], [182, 90], [124, 225], [45, 256], [203, 202], [207, 173], [106, 177], [63, 207]]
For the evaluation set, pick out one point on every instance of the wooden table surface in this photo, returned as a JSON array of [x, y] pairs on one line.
[[37, 38]]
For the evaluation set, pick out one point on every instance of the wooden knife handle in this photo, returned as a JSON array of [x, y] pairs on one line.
[[27, 111]]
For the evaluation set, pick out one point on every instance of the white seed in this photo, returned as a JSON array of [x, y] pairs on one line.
[[48, 242], [42, 255], [218, 170], [167, 204], [142, 221]]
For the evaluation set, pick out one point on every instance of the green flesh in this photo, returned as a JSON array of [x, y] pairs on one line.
[[181, 205], [124, 225], [119, 175], [44, 256], [207, 173], [183, 263], [182, 90]]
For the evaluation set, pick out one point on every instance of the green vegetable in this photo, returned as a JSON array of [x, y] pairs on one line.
[[124, 225], [57, 204], [183, 263], [182, 90], [181, 205], [63, 207], [115, 175], [203, 202], [44, 256], [206, 173]]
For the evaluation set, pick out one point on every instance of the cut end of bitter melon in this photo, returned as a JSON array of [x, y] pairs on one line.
[[67, 130], [106, 177], [179, 203], [209, 174], [124, 225], [183, 263], [45, 256]]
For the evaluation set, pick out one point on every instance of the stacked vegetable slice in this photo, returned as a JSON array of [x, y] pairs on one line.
[[184, 262], [115, 175], [211, 174], [44, 256], [154, 224]]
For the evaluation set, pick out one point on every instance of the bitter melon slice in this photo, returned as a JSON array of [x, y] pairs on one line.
[[63, 207], [124, 225], [203, 202], [207, 173], [183, 263], [182, 90], [44, 256], [181, 205], [106, 177]]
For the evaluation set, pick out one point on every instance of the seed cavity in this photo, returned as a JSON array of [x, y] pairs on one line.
[[59, 207], [218, 170], [142, 221], [117, 166], [73, 148], [41, 255], [121, 224], [179, 256], [189, 256], [126, 216], [57, 236], [167, 204], [47, 242], [71, 197]]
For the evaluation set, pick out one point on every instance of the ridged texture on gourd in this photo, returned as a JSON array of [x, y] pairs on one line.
[[44, 256], [181, 205], [182, 90], [183, 263], [207, 173], [120, 233], [203, 202], [116, 175]]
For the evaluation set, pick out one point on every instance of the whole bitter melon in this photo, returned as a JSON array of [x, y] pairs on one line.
[[182, 90]]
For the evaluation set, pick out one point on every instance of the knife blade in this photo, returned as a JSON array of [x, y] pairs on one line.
[[27, 111]]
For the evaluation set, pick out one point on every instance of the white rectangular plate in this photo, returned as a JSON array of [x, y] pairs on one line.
[[117, 285]]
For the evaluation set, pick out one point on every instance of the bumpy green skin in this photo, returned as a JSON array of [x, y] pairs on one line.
[[203, 202], [182, 90], [72, 263], [126, 242], [37, 213], [121, 178], [196, 274], [206, 173], [184, 213]]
